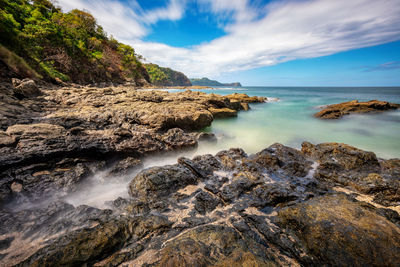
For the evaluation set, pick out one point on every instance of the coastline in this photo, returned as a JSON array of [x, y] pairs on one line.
[[230, 201]]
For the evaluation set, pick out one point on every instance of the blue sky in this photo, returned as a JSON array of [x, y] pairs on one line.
[[276, 43]]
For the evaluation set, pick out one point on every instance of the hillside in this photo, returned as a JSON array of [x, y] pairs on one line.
[[38, 40], [207, 82], [166, 77]]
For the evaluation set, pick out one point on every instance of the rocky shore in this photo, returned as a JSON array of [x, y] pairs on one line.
[[53, 137], [326, 204], [337, 111]]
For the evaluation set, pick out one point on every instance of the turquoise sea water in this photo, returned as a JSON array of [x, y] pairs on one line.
[[289, 121]]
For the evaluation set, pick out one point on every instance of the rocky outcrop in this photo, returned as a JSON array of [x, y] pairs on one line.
[[326, 204], [277, 207], [336, 111], [50, 142]]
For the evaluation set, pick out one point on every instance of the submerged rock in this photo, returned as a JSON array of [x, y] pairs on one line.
[[336, 111]]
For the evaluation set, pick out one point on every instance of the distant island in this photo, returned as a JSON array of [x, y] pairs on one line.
[[207, 82]]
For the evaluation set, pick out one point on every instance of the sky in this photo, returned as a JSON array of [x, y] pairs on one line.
[[260, 42]]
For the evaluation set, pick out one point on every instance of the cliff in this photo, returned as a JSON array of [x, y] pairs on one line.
[[166, 77], [207, 82]]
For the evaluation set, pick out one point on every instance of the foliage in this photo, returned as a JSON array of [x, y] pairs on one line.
[[68, 46], [166, 76], [16, 63]]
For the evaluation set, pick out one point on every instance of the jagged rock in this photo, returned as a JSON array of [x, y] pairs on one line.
[[276, 207], [126, 165], [342, 232], [160, 181], [205, 202], [290, 160], [358, 169], [213, 246], [229, 209], [336, 111], [176, 138], [219, 113], [25, 88]]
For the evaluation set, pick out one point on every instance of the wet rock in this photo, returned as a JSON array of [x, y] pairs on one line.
[[219, 113], [290, 160], [210, 137], [125, 166], [205, 202], [341, 232], [337, 111], [213, 245], [358, 169], [347, 157], [176, 138], [160, 181]]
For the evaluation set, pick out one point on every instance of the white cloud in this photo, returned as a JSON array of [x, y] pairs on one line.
[[173, 11], [125, 20], [269, 35]]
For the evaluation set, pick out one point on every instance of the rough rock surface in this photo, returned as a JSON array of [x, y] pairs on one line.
[[336, 111], [324, 205], [26, 88], [53, 138], [278, 207]]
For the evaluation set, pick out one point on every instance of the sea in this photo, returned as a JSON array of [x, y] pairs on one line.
[[288, 119]]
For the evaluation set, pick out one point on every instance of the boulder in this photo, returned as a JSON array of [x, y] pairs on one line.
[[336, 111], [26, 88], [338, 231]]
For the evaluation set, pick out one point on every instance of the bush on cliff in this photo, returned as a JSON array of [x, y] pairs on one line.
[[166, 76], [68, 46]]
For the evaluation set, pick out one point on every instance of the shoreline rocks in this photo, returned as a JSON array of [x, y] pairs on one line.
[[279, 207], [45, 137], [337, 111], [276, 207]]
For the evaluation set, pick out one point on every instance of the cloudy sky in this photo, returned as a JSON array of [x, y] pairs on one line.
[[256, 42]]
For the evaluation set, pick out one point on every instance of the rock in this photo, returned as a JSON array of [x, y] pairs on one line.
[[213, 246], [273, 208], [205, 202], [336, 111], [243, 98], [125, 166], [223, 112], [25, 88], [341, 232], [288, 159], [346, 157], [160, 181], [176, 138], [210, 137]]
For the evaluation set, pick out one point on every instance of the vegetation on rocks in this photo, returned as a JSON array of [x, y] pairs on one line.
[[207, 82], [166, 77], [37, 35]]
